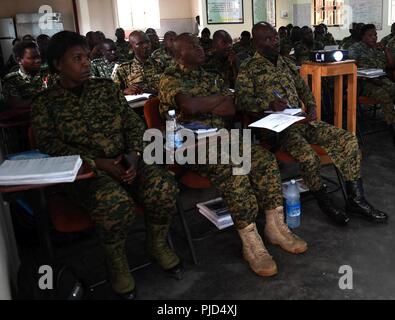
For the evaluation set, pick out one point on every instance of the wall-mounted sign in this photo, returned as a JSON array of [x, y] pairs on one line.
[[224, 11]]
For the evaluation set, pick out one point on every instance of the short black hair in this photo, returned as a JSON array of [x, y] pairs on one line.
[[60, 43], [245, 34], [206, 31], [20, 47], [366, 28], [15, 41]]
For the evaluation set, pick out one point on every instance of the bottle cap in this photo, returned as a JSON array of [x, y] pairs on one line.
[[172, 113], [293, 181]]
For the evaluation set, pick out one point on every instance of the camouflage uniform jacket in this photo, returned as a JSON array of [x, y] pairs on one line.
[[347, 42], [206, 44], [163, 59], [326, 40], [258, 79], [97, 124], [20, 84], [146, 75], [123, 51], [368, 57], [194, 83], [101, 68], [221, 67], [303, 52], [286, 46], [391, 45], [387, 39], [239, 48]]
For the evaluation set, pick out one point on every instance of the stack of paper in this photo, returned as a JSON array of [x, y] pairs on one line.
[[289, 112], [371, 73], [217, 212], [138, 97], [39, 171], [276, 122]]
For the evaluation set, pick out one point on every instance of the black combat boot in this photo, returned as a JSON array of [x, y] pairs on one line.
[[358, 206], [325, 203]]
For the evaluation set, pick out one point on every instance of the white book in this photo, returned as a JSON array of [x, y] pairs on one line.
[[138, 97], [40, 171], [276, 122], [216, 211]]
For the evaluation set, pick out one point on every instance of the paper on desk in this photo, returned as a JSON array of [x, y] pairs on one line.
[[40, 171], [289, 112], [138, 97], [276, 122], [371, 73]]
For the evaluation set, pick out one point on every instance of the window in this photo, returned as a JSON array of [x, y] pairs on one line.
[[329, 12], [392, 12], [138, 14]]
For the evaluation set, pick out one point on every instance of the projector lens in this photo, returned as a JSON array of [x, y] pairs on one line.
[[338, 56]]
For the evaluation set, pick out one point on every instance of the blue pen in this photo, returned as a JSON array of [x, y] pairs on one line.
[[277, 95]]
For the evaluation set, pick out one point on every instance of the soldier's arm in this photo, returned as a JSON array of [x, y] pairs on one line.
[[305, 95], [46, 135], [133, 127], [248, 100], [118, 79], [12, 97]]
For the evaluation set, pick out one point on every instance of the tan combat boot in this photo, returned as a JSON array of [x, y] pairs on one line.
[[255, 253], [159, 249], [278, 233], [121, 279]]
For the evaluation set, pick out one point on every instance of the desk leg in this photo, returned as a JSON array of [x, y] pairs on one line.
[[43, 227], [352, 102], [339, 101], [317, 90]]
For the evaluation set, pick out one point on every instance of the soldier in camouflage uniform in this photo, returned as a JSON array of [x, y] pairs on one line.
[[21, 86], [370, 54], [286, 44], [306, 45], [104, 66], [268, 75], [322, 35], [205, 41], [142, 74], [354, 37], [387, 39], [244, 46], [91, 118], [222, 60], [202, 97], [164, 56], [123, 47]]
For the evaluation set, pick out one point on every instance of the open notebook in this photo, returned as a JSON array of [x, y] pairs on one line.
[[40, 171]]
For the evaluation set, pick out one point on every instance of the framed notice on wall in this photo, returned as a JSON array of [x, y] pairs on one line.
[[224, 11], [264, 10]]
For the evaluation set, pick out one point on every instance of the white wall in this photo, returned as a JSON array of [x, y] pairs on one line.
[[9, 8], [339, 33]]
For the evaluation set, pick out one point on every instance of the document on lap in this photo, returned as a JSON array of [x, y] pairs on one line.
[[276, 122]]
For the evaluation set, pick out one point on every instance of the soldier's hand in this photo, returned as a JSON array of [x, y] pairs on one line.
[[130, 164], [110, 166], [133, 90], [278, 105]]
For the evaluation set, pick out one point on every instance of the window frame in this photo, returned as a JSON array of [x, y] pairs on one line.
[[335, 4]]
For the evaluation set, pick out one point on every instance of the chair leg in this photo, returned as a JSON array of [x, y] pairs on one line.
[[187, 231], [341, 183]]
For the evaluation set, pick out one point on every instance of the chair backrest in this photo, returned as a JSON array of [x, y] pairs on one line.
[[152, 114]]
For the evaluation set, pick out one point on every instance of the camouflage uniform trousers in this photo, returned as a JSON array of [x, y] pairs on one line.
[[112, 206], [247, 195], [341, 146], [383, 90]]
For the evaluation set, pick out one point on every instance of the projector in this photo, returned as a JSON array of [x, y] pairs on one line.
[[329, 56]]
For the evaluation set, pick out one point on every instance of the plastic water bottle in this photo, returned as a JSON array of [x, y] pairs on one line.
[[293, 208], [173, 137]]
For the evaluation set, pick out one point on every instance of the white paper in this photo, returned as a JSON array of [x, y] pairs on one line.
[[138, 97], [371, 73], [276, 122], [290, 112], [40, 171]]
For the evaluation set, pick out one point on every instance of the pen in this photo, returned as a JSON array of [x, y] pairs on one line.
[[277, 95]]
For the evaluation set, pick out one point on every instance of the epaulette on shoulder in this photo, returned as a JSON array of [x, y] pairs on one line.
[[11, 75]]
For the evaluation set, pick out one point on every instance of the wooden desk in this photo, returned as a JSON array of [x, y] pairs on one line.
[[337, 70]]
